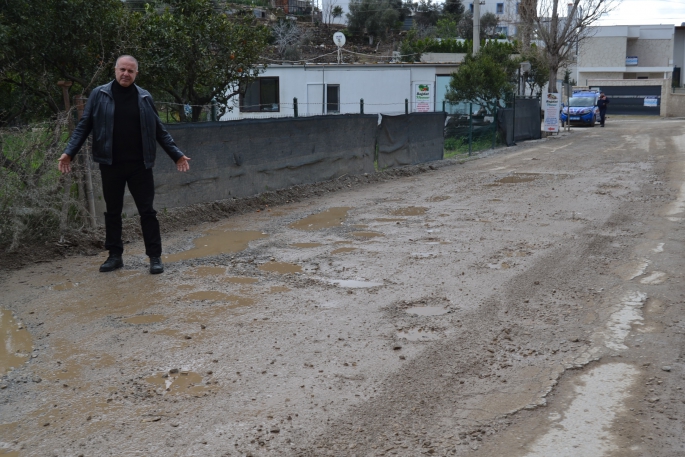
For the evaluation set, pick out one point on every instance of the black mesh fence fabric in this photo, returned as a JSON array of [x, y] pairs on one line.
[[521, 122], [410, 139]]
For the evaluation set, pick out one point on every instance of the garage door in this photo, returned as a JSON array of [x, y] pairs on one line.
[[640, 100]]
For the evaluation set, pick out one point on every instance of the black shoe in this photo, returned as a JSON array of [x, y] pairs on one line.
[[156, 266], [113, 262]]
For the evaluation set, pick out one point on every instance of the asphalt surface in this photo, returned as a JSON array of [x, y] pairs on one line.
[[528, 303]]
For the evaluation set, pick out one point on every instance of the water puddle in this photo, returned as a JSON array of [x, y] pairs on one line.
[[390, 219], [342, 250], [278, 289], [180, 383], [332, 217], [217, 242], [185, 287], [427, 310], [15, 342], [281, 267], [306, 245], [655, 277], [585, 429], [210, 295], [367, 234], [344, 242], [439, 198], [417, 334], [241, 280], [620, 322], [64, 286], [354, 284], [145, 319], [410, 211], [632, 269], [518, 178], [203, 272]]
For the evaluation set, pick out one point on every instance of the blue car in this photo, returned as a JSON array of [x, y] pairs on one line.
[[582, 109]]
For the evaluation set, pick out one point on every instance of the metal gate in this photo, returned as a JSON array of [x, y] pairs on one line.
[[635, 100]]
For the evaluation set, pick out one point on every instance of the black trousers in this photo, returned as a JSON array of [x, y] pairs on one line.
[[141, 184], [602, 116]]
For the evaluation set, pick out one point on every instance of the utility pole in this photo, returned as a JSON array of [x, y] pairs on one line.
[[476, 26]]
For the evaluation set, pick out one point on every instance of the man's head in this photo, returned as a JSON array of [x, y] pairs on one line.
[[601, 95], [126, 70]]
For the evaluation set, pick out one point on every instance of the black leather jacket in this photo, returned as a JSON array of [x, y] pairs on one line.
[[98, 118]]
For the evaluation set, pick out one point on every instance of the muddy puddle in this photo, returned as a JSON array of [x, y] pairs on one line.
[[342, 250], [367, 234], [203, 272], [180, 383], [15, 342], [68, 285], [278, 289], [207, 295], [145, 319], [390, 219], [410, 211], [217, 242], [427, 310], [332, 217], [355, 284], [439, 198], [241, 280], [417, 334], [280, 267], [517, 178], [306, 245]]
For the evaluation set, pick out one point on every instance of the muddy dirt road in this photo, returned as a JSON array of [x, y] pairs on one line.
[[529, 303]]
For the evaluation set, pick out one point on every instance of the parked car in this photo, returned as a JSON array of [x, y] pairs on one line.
[[581, 109]]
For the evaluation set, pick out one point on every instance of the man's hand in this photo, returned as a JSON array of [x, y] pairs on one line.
[[64, 163], [183, 164]]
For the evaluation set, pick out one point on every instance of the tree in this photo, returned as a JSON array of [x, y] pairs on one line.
[[487, 78], [465, 26], [195, 53], [454, 9], [562, 34], [538, 75], [427, 13], [373, 17], [288, 36], [447, 28], [49, 41], [488, 25]]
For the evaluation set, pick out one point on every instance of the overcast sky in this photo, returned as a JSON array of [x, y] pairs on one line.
[[640, 12]]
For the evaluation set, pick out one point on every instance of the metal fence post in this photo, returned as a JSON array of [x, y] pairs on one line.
[[295, 105], [406, 106], [361, 106], [443, 106], [470, 127], [494, 130], [213, 110]]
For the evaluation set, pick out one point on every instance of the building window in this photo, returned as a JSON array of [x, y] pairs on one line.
[[332, 98], [500, 8], [260, 95], [471, 7]]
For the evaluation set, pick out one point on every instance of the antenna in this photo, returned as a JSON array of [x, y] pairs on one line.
[[339, 40]]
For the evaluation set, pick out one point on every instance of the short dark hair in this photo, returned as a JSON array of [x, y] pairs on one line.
[[127, 57]]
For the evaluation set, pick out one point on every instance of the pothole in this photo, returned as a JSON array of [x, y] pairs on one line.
[[417, 334], [332, 217]]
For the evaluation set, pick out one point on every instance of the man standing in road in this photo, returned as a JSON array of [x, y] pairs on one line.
[[602, 105], [124, 145]]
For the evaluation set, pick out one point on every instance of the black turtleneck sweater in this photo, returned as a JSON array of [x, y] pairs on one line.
[[127, 144]]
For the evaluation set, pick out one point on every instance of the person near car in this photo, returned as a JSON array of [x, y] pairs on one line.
[[602, 103], [126, 127]]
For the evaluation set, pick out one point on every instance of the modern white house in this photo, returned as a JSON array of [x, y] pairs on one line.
[[386, 88]]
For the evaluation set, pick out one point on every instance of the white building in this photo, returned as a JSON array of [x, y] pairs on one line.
[[338, 88], [507, 11]]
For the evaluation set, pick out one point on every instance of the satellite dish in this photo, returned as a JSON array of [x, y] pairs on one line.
[[339, 39]]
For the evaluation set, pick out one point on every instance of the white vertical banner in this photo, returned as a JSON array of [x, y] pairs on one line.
[[424, 97], [552, 107]]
